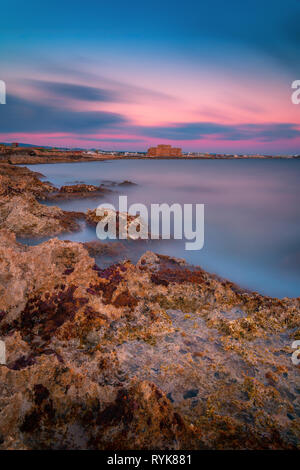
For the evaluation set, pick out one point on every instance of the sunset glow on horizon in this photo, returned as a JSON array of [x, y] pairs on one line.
[[208, 78]]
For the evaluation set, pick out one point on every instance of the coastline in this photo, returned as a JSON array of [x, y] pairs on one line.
[[133, 356], [31, 160]]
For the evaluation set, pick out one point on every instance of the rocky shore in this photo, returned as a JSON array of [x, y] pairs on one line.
[[20, 210], [157, 355], [25, 157]]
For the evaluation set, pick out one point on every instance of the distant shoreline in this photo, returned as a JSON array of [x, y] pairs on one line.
[[31, 160]]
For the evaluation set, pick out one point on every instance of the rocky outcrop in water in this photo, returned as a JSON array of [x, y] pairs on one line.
[[16, 180], [26, 217], [131, 226], [79, 191], [21, 211]]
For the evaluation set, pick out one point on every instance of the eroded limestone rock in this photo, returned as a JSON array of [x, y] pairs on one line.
[[20, 210], [157, 355]]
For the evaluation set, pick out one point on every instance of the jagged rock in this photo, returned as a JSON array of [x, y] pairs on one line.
[[26, 217], [116, 358], [16, 180], [59, 407], [158, 355], [20, 210]]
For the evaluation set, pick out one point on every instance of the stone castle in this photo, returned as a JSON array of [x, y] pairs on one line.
[[164, 151]]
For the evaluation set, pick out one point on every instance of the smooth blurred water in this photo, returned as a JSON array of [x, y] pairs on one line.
[[252, 212]]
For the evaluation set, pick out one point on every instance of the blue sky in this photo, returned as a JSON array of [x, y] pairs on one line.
[[206, 73]]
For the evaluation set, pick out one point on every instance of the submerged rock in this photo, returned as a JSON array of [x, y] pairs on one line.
[[127, 183], [78, 188], [78, 191]]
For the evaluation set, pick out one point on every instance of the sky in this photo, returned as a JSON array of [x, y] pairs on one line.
[[208, 76]]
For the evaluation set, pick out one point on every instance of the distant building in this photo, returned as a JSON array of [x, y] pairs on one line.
[[15, 144], [164, 151]]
